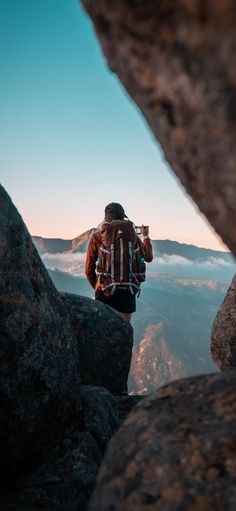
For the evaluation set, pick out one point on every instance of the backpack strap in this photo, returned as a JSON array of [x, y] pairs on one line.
[[112, 269], [121, 260], [130, 267]]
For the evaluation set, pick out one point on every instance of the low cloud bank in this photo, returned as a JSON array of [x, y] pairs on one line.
[[69, 262], [213, 267], [172, 259], [217, 261], [166, 259]]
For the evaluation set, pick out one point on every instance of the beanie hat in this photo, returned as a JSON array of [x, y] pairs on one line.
[[114, 211]]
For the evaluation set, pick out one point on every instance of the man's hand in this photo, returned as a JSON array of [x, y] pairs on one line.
[[145, 230]]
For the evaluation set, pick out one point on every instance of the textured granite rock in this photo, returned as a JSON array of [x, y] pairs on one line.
[[65, 480], [100, 414], [105, 341], [223, 337], [39, 382], [175, 452], [177, 61], [63, 483], [104, 413]]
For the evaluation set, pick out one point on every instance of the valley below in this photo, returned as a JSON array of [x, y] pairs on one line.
[[184, 289]]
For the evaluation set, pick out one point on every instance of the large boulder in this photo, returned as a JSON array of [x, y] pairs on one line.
[[63, 482], [66, 478], [39, 384], [177, 61], [105, 341], [175, 452], [223, 337]]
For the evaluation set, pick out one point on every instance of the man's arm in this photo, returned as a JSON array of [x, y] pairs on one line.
[[90, 264], [146, 244]]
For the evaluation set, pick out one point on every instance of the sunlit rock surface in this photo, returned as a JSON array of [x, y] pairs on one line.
[[80, 243], [58, 245], [177, 61], [153, 363], [223, 339], [176, 451]]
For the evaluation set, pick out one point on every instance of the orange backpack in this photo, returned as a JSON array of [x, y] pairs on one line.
[[121, 258]]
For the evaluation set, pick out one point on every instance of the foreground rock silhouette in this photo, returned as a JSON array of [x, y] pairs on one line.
[[164, 53], [223, 338], [66, 478], [175, 452], [53, 430], [39, 385]]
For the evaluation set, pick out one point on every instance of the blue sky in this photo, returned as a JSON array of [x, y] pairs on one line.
[[71, 140]]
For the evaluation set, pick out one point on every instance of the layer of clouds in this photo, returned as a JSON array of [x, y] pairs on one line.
[[74, 263], [65, 257], [174, 259], [69, 262], [218, 261]]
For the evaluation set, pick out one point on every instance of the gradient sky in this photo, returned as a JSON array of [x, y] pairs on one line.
[[71, 139]]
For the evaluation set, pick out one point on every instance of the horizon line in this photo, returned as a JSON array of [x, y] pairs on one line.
[[152, 239]]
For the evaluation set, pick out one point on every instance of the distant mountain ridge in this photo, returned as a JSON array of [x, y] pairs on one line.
[[51, 245], [160, 247], [191, 252], [59, 246]]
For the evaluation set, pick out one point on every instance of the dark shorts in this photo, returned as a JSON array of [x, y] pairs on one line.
[[122, 301]]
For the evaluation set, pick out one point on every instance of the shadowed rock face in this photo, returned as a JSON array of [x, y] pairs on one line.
[[223, 338], [63, 483], [175, 452], [101, 414], [66, 478], [39, 385], [105, 341], [177, 61]]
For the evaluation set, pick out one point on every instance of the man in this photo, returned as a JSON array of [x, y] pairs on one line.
[[115, 260]]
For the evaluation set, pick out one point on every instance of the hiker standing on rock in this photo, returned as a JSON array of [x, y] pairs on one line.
[[115, 264]]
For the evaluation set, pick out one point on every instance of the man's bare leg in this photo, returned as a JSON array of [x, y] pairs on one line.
[[126, 315]]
